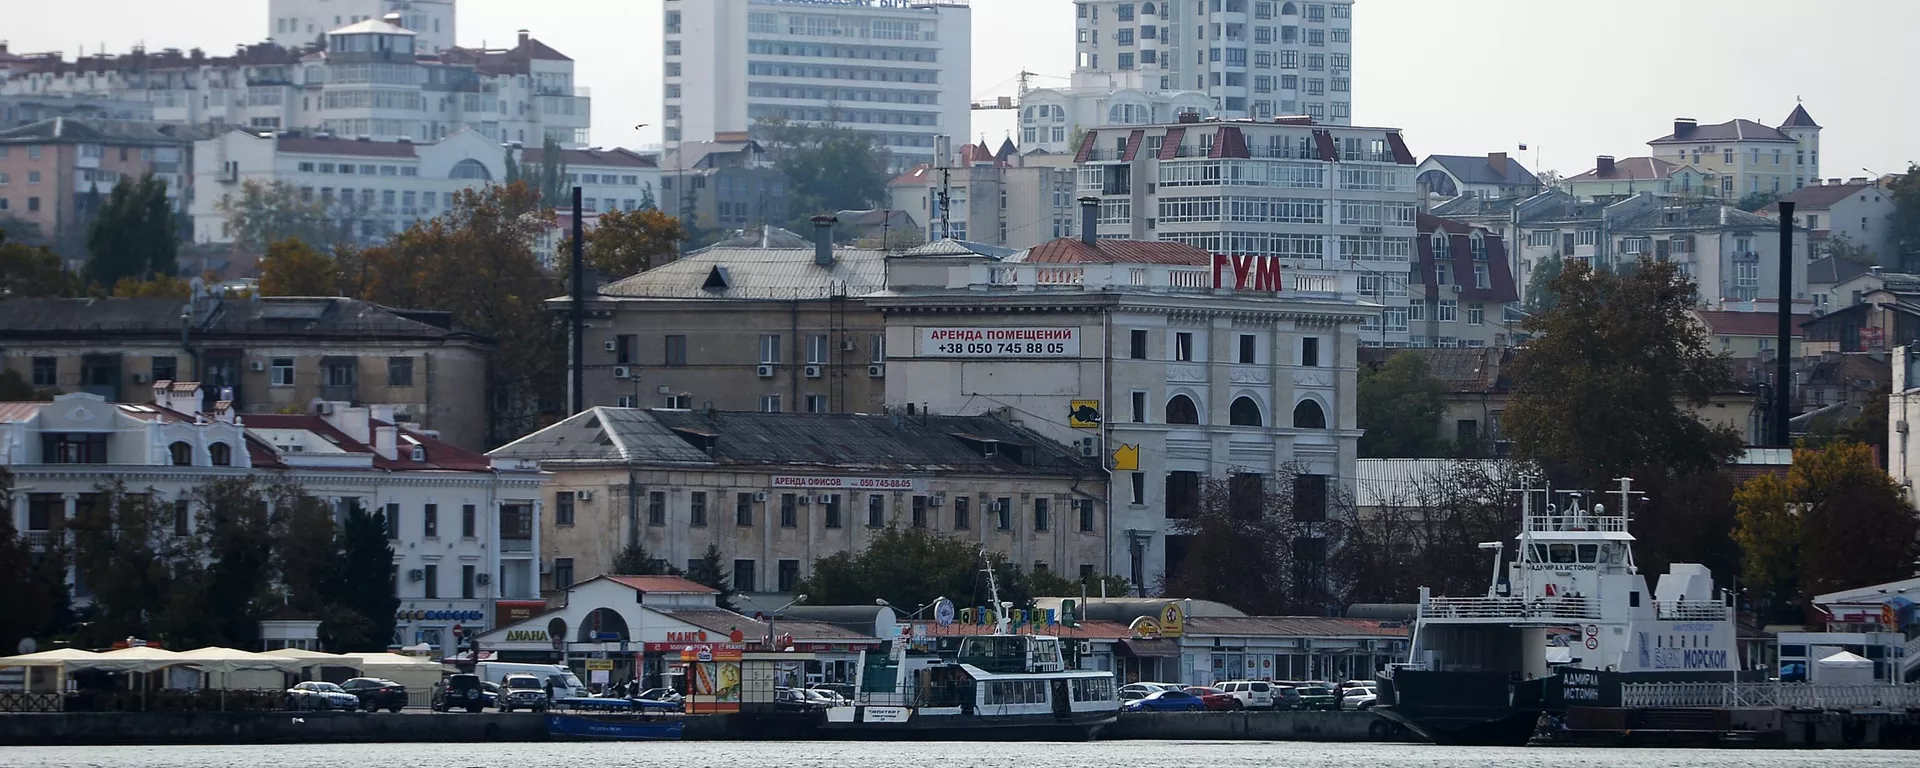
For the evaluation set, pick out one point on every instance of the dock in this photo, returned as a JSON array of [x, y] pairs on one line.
[[1748, 715]]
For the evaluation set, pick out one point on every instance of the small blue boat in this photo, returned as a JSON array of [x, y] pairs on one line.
[[614, 728]]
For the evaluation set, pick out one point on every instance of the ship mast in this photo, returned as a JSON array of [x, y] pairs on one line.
[[1001, 623]]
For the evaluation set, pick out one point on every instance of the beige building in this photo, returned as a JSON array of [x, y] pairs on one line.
[[56, 172], [776, 492], [1743, 157], [1003, 199], [269, 355]]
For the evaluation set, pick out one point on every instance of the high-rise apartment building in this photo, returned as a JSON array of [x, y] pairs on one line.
[[298, 23], [899, 69]]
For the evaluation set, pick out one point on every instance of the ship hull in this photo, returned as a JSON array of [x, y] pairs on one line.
[[1492, 709], [916, 726]]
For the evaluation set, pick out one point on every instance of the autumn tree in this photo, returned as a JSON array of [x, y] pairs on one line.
[[134, 234], [1838, 522], [293, 268], [267, 213], [1600, 392], [28, 271], [1400, 403], [1260, 543], [1427, 531], [624, 243], [1768, 532], [160, 287]]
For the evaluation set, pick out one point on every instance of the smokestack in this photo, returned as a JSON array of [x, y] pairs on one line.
[[1498, 161], [1089, 215], [1603, 164], [1683, 127], [1783, 360], [823, 240], [578, 314], [523, 38]]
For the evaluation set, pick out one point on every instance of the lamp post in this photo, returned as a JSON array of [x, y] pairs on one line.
[[773, 636]]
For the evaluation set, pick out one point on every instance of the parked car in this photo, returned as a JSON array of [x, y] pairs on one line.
[[1167, 701], [1215, 699], [1253, 694], [659, 694], [794, 700], [1316, 695], [463, 691], [490, 694], [523, 692], [1359, 697], [1286, 698], [1137, 691], [376, 693], [321, 696], [826, 698]]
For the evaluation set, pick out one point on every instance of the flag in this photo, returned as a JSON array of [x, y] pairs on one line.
[[1523, 147]]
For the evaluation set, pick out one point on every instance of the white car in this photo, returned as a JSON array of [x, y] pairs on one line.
[[1359, 697], [826, 698], [1253, 694], [318, 695], [1137, 691]]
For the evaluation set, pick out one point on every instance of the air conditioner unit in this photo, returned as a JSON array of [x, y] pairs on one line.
[[323, 408], [1088, 448], [609, 346], [483, 579], [994, 507], [876, 371], [846, 345], [1458, 288], [583, 495], [1086, 648], [622, 372], [256, 366], [666, 390], [804, 500], [765, 371], [760, 496], [1900, 426], [417, 574], [936, 499], [813, 371]]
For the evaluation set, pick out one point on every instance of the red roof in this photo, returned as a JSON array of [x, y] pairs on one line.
[[663, 584], [307, 145], [440, 456], [1747, 323], [918, 175], [975, 153], [1070, 250]]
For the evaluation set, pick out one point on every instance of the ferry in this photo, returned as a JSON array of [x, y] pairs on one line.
[[1566, 622], [999, 686]]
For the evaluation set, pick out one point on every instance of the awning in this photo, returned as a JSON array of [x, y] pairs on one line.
[[1144, 648]]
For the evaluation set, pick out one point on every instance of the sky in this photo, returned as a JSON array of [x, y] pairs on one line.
[[1571, 79]]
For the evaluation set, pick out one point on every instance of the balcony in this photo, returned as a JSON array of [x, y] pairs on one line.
[[521, 546], [1501, 609]]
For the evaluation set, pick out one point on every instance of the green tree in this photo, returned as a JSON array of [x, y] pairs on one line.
[[711, 571], [513, 165], [236, 535], [1400, 404], [1904, 190], [143, 576], [305, 555], [1768, 531], [623, 243], [550, 179], [14, 388], [1260, 543], [28, 271], [829, 168], [911, 567], [1540, 296], [268, 213], [635, 560], [160, 287], [293, 268], [1051, 584], [1841, 247], [133, 235], [1756, 200], [37, 606], [1426, 533], [1599, 393], [1856, 527], [360, 616]]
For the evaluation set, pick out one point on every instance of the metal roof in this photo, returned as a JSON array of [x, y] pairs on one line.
[[601, 434], [1294, 626], [780, 273], [1403, 482], [304, 317], [1478, 169]]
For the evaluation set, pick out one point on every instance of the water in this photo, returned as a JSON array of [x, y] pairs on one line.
[[815, 754]]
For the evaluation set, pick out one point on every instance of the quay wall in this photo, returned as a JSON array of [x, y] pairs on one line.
[[1257, 726]]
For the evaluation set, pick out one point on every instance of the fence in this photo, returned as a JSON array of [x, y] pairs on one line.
[[1770, 696]]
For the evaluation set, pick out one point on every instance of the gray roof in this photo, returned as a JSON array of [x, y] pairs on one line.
[[783, 273], [800, 442], [1477, 169], [1556, 206], [767, 236], [93, 130], [1470, 206], [213, 318], [952, 247], [1731, 130], [1693, 217], [1830, 270]]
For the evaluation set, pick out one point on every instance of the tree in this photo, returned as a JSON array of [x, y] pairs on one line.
[[1540, 297], [37, 604], [1768, 532], [911, 567], [1400, 404], [829, 168], [1841, 247], [361, 616], [269, 213], [635, 560], [550, 179], [160, 287], [14, 388], [305, 565], [1260, 543], [1599, 394], [134, 234], [1051, 584], [513, 165], [1856, 527], [235, 534], [28, 271], [293, 268], [1427, 533], [1756, 200], [145, 577], [1904, 190], [711, 571], [623, 243]]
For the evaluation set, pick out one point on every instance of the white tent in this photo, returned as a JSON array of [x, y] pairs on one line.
[[419, 674], [55, 658], [1844, 668], [215, 659], [316, 658], [136, 659]]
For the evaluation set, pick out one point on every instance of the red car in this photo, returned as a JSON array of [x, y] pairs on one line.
[[1214, 699]]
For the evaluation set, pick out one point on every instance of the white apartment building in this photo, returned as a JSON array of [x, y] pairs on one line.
[[1049, 117], [1314, 196], [1173, 364], [464, 528], [1013, 201], [900, 69], [371, 78], [298, 23], [1251, 58]]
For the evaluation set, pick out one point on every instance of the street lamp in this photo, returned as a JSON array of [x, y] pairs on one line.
[[775, 615]]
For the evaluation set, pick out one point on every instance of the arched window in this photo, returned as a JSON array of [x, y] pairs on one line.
[[470, 169], [1441, 247], [1146, 9], [221, 454], [1244, 412], [1308, 415], [1287, 9], [1026, 115], [1059, 114], [1181, 410], [181, 453]]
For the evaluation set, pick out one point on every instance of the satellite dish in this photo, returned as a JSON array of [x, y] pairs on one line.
[[27, 645]]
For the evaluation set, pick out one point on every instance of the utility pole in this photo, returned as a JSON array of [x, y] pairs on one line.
[[1783, 359]]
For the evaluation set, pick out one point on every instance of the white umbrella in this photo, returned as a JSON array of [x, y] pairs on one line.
[[61, 659], [136, 659], [224, 661]]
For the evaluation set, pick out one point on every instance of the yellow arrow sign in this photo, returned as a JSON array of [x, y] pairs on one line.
[[1126, 458]]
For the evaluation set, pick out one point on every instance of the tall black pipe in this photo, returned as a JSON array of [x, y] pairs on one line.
[[1783, 359], [579, 319]]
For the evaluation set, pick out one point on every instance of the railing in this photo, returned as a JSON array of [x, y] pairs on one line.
[[516, 545], [1577, 522], [1819, 696], [1509, 608], [1699, 610], [39, 540], [1911, 657], [32, 702]]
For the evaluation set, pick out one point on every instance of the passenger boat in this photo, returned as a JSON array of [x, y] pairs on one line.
[[1002, 685], [1483, 669], [614, 728]]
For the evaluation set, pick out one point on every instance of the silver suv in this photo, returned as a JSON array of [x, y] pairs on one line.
[[523, 692]]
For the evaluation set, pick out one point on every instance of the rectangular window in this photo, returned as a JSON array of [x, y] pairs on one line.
[[1138, 492], [432, 579], [656, 508], [830, 509], [468, 520], [743, 509], [1137, 345], [919, 511], [1042, 514], [1310, 498], [1139, 409], [430, 519], [46, 372], [466, 581], [876, 511], [962, 513], [626, 348], [818, 404], [743, 580], [1085, 508], [789, 575], [281, 372], [393, 520], [697, 510], [563, 508], [1183, 346], [1003, 510], [164, 368], [817, 349], [769, 403], [1310, 352], [1476, 314], [789, 511], [562, 572], [182, 514], [1449, 311], [676, 350], [1249, 344]]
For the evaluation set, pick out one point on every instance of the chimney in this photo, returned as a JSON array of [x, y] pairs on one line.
[[1833, 182], [386, 441], [1498, 161], [823, 240], [394, 19], [523, 38], [353, 421], [1683, 127], [1857, 180], [1089, 215], [1603, 164]]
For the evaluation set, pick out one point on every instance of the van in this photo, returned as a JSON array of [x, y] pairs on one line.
[[1253, 694], [565, 684]]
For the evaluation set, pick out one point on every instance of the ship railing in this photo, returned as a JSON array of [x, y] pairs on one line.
[[1698, 610], [1510, 608], [1808, 696], [1576, 522]]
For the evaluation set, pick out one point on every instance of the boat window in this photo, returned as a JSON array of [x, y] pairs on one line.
[[1589, 553], [1613, 553], [1633, 599], [1539, 553], [1560, 553]]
